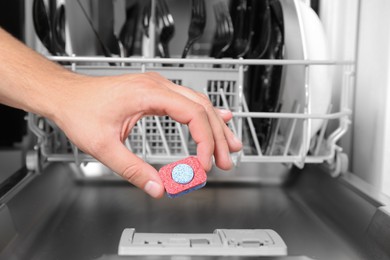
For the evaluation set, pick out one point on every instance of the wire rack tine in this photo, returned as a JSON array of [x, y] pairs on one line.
[[182, 139], [163, 139], [128, 145], [322, 132], [226, 106], [296, 108], [145, 146], [241, 97], [252, 129], [344, 120], [75, 154], [274, 137]]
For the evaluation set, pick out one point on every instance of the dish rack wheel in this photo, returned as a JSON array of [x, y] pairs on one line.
[[338, 165]]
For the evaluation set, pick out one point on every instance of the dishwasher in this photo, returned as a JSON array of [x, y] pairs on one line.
[[289, 195]]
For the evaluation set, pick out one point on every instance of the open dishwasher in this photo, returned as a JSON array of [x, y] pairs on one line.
[[289, 195]]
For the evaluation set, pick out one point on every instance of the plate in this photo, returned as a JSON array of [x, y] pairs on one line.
[[305, 39]]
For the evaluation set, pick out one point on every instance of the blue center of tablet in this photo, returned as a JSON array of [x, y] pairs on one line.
[[182, 174]]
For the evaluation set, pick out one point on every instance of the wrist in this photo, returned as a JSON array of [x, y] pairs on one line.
[[53, 92]]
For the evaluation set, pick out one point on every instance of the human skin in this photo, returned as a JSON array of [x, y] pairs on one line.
[[98, 113]]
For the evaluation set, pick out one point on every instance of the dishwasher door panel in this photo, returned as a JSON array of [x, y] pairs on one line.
[[84, 220]]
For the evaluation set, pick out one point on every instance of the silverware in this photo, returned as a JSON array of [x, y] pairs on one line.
[[225, 30], [104, 48], [146, 18], [42, 25], [59, 30], [243, 31], [197, 24], [167, 29], [128, 32]]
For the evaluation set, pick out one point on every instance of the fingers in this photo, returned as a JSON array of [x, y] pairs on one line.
[[153, 95], [234, 143], [117, 157], [185, 111], [206, 124], [160, 101], [221, 151], [225, 141]]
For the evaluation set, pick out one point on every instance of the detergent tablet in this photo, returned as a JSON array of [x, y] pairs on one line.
[[183, 176]]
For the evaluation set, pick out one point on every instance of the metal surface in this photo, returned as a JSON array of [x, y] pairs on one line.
[[57, 218], [6, 226], [10, 161], [201, 61]]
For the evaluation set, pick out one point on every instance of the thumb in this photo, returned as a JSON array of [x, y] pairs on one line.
[[132, 168]]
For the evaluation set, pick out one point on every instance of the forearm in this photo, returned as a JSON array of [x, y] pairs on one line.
[[28, 80]]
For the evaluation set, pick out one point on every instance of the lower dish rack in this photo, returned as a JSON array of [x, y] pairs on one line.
[[159, 139]]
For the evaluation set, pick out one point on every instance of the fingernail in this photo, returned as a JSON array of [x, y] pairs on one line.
[[237, 141], [224, 111], [153, 189]]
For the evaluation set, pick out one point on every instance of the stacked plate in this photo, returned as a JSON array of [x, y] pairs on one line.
[[304, 86]]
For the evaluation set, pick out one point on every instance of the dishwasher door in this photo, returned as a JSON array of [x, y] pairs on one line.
[[57, 216]]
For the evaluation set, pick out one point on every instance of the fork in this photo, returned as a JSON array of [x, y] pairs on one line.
[[167, 27], [243, 37], [146, 18], [197, 25], [225, 31], [127, 32]]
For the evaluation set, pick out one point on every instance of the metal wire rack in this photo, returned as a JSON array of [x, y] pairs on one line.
[[161, 140]]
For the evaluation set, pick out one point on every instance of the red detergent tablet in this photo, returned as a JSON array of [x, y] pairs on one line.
[[183, 176]]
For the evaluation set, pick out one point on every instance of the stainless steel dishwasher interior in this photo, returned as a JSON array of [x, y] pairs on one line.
[[55, 212], [57, 216]]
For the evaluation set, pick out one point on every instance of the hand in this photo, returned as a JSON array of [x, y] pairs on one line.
[[98, 113]]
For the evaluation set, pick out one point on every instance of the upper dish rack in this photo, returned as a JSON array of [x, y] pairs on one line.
[[161, 140], [299, 132]]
